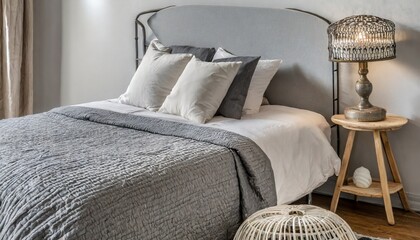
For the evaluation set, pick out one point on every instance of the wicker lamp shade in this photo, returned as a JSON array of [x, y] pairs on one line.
[[294, 222], [361, 38]]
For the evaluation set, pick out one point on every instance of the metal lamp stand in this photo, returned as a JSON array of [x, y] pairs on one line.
[[364, 111]]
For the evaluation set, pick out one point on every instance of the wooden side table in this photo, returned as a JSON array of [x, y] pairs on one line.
[[381, 188]]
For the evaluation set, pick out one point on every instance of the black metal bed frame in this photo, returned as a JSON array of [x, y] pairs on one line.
[[334, 74]]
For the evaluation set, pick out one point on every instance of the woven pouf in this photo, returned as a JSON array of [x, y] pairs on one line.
[[294, 222]]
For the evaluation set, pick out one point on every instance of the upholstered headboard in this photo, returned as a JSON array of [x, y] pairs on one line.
[[306, 79]]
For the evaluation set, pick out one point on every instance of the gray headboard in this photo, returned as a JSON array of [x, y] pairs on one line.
[[306, 79]]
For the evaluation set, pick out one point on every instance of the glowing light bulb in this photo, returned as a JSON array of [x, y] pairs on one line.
[[361, 37]]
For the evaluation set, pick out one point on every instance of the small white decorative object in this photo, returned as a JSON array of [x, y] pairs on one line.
[[362, 178], [294, 222]]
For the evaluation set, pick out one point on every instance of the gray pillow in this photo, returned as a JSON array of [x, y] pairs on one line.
[[234, 100], [204, 54]]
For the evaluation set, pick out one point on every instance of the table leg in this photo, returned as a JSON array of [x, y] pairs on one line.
[[383, 178], [394, 169], [343, 170]]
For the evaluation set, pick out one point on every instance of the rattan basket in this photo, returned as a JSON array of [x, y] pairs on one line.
[[294, 222]]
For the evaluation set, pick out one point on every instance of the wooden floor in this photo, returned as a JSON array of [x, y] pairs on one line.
[[368, 219]]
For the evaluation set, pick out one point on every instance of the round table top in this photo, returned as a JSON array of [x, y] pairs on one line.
[[391, 122]]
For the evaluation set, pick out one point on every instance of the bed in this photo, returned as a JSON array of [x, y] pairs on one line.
[[106, 170]]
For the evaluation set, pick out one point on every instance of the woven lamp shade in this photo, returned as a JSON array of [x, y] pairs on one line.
[[361, 38], [294, 222]]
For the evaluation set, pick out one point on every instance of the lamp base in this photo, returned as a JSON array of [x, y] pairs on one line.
[[372, 114]]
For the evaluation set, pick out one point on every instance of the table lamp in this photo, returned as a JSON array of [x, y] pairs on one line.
[[362, 39]]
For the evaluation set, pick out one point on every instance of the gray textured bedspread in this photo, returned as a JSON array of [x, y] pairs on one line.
[[81, 173]]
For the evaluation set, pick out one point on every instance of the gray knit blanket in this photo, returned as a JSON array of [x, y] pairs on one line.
[[83, 173]]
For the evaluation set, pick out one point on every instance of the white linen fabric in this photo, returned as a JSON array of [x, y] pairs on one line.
[[200, 89], [263, 74], [296, 141], [222, 53], [155, 77], [260, 80]]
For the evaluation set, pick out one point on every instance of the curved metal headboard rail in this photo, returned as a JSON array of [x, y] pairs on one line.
[[335, 84], [334, 72], [138, 24]]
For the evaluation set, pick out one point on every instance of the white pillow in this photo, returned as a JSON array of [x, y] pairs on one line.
[[155, 77], [222, 53], [200, 90], [263, 74], [259, 82]]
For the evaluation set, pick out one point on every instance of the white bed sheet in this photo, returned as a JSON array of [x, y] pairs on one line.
[[296, 141]]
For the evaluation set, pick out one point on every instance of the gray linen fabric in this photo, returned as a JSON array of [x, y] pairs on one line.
[[234, 101], [204, 54], [80, 173]]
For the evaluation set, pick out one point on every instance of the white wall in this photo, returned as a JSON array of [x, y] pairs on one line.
[[98, 54], [47, 54]]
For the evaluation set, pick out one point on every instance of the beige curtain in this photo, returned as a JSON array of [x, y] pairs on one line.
[[16, 51]]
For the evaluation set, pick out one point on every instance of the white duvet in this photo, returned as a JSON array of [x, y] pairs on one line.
[[296, 141]]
